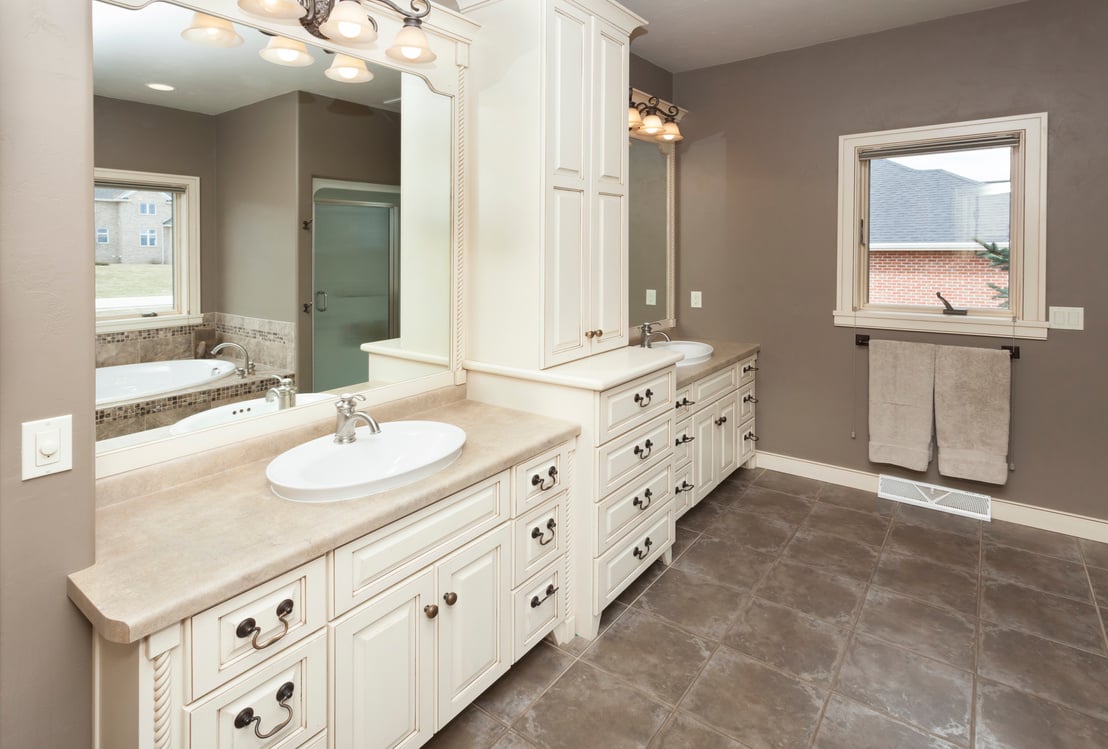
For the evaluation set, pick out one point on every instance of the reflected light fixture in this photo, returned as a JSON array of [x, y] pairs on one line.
[[347, 69], [211, 31], [654, 117], [161, 87], [282, 51], [347, 22]]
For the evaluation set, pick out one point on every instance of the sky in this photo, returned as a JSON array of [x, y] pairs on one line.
[[983, 165]]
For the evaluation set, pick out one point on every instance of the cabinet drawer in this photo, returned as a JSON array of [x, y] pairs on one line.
[[682, 490], [747, 399], [683, 403], [640, 499], [240, 633], [539, 479], [301, 707], [537, 607], [319, 742], [629, 456], [634, 403], [715, 385], [539, 538], [627, 560], [683, 442], [374, 562], [747, 368], [748, 441]]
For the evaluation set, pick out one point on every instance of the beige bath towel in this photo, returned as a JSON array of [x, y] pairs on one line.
[[901, 390], [972, 396]]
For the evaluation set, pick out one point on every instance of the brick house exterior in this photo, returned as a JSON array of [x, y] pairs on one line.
[[133, 226]]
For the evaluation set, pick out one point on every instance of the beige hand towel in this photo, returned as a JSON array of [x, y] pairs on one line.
[[901, 391], [972, 411]]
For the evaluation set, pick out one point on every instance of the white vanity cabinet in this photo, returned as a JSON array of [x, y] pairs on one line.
[[548, 262]]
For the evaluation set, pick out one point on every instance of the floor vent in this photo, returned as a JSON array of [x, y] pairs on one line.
[[954, 501]]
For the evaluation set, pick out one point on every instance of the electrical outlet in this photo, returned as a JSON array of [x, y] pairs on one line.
[[47, 446], [696, 301], [1067, 318], [651, 297]]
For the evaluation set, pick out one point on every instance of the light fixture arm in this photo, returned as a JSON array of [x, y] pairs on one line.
[[415, 12], [651, 106], [318, 11]]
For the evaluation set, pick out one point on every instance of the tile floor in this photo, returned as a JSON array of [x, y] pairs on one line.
[[802, 614]]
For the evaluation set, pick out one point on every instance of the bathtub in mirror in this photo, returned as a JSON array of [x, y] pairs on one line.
[[325, 241]]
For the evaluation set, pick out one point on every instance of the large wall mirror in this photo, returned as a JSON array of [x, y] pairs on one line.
[[651, 212], [302, 214]]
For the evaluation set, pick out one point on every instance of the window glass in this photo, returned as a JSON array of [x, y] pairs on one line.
[[101, 236], [136, 269]]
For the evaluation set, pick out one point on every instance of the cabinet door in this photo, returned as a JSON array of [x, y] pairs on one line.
[[384, 669], [475, 641], [704, 451], [727, 451], [608, 273]]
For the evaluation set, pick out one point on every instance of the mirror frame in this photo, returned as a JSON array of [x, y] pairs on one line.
[[669, 150], [450, 34]]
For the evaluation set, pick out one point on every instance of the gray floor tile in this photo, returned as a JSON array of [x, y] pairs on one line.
[[938, 520], [682, 732], [1009, 719], [577, 645], [513, 740], [757, 533], [588, 709], [695, 603], [1050, 670], [650, 654], [727, 494], [1099, 579], [774, 504], [1048, 574], [471, 729], [702, 516], [725, 561], [789, 484], [1096, 553], [683, 541], [743, 476], [951, 549], [928, 694], [754, 704], [925, 629], [788, 640], [831, 553], [849, 725], [813, 591], [869, 528], [927, 580], [642, 582], [856, 499], [1053, 617], [525, 682], [1032, 539]]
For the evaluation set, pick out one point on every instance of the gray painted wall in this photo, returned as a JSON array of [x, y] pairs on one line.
[[757, 223], [46, 363], [650, 78]]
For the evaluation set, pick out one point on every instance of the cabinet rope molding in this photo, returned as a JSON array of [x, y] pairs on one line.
[[163, 724]]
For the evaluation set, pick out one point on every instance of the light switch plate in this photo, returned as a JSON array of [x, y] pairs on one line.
[[47, 446], [651, 297], [1067, 318], [696, 300]]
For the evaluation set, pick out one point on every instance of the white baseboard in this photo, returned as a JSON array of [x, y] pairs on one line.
[[1081, 526]]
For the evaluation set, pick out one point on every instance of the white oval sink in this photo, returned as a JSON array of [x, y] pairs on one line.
[[695, 352], [404, 452], [233, 412]]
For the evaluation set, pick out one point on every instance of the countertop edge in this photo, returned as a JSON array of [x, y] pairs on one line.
[[726, 353]]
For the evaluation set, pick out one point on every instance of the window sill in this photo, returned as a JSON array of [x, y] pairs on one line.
[[147, 323], [978, 325]]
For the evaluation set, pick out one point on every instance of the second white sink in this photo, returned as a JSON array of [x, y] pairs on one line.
[[404, 452], [694, 351]]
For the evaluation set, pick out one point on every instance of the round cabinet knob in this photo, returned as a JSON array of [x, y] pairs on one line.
[[431, 610], [451, 598]]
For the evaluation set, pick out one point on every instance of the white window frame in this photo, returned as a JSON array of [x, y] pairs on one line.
[[153, 211], [148, 238], [1028, 316], [186, 253], [100, 230]]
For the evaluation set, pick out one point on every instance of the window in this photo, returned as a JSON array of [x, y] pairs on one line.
[[149, 276], [952, 210]]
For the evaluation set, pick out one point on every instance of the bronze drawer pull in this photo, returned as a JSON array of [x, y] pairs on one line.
[[451, 598], [431, 610], [644, 451], [685, 487], [537, 532], [684, 402], [539, 481], [749, 398], [644, 399], [751, 436], [247, 717], [684, 439], [749, 368], [248, 626], [550, 590], [721, 421], [642, 553], [643, 505]]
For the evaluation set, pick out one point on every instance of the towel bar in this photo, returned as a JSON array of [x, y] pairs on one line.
[[863, 340]]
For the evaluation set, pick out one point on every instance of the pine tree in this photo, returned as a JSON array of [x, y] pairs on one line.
[[1000, 258]]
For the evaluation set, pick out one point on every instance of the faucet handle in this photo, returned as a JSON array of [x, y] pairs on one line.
[[647, 328], [347, 402]]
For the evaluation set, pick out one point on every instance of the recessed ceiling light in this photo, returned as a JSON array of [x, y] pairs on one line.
[[160, 86]]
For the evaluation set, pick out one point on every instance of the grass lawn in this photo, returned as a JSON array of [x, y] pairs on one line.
[[113, 281]]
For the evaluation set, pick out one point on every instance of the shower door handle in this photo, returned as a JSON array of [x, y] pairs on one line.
[[321, 301]]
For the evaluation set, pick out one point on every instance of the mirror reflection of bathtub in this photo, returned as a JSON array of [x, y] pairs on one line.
[[126, 382]]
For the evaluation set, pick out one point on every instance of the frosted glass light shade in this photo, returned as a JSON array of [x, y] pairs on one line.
[[347, 69], [349, 23], [285, 10], [282, 51], [211, 31], [670, 132], [652, 124], [634, 119], [411, 44]]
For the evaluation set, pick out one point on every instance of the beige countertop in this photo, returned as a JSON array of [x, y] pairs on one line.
[[598, 372], [725, 354], [167, 555]]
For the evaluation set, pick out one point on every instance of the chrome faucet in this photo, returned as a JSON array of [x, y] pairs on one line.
[[647, 331], [284, 393], [247, 365], [346, 420]]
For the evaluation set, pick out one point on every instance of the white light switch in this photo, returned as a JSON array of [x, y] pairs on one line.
[[696, 300], [1067, 318], [47, 446], [651, 297]]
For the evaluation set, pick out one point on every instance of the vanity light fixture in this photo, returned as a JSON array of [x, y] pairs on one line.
[[282, 51], [670, 132], [348, 22], [347, 69], [211, 31], [654, 117]]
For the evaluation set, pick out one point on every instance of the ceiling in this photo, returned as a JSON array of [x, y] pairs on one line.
[[690, 34], [134, 47]]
